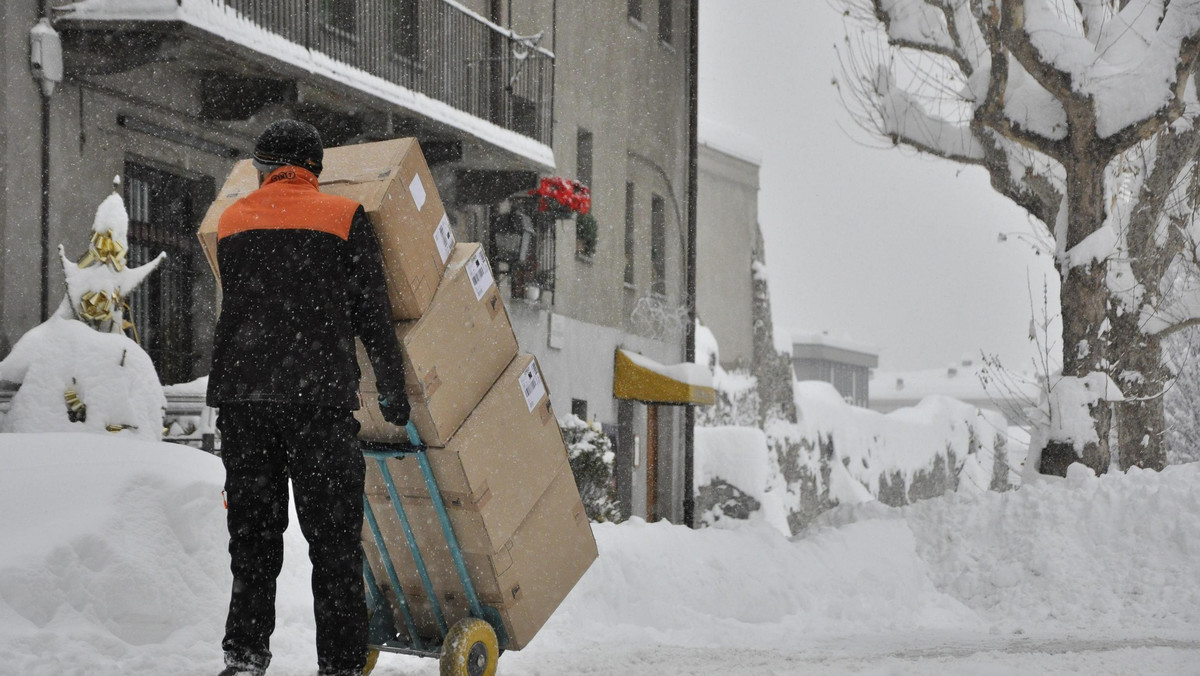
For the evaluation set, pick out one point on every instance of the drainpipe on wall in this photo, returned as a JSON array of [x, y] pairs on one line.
[[689, 439], [45, 224], [45, 64]]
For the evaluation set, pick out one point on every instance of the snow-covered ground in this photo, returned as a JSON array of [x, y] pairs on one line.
[[113, 562]]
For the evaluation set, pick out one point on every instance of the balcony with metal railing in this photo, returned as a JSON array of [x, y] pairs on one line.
[[424, 49]]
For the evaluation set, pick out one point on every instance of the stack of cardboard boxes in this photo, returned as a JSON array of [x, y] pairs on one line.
[[481, 407]]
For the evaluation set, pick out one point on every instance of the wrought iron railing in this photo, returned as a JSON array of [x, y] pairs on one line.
[[429, 46]]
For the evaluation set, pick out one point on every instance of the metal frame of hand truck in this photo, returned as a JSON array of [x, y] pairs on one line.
[[382, 633]]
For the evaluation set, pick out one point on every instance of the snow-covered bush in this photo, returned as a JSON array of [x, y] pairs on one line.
[[721, 501], [735, 479], [737, 391], [591, 456], [737, 401], [908, 446], [111, 376]]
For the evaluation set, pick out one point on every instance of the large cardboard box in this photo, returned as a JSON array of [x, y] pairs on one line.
[[452, 354], [525, 581], [392, 182], [492, 471]]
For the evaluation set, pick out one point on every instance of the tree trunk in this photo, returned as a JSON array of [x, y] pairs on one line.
[[1139, 371], [1084, 299]]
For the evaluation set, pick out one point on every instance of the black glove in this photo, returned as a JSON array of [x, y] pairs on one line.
[[394, 408]]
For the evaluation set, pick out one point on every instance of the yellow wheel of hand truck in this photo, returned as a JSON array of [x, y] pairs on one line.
[[372, 658], [470, 649]]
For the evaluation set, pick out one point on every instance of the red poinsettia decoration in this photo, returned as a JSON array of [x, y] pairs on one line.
[[556, 193]]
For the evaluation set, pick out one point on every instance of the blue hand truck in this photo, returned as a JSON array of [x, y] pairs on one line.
[[473, 644]]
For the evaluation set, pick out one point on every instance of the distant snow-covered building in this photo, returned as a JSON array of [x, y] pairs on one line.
[[966, 380], [844, 363], [728, 239]]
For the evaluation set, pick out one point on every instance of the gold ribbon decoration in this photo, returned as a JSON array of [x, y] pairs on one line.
[[76, 409], [98, 306], [104, 249]]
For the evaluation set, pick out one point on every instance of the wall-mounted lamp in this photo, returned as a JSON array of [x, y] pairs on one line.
[[45, 56]]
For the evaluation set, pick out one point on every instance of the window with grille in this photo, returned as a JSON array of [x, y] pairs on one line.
[[629, 233], [583, 157], [406, 39], [658, 245], [163, 214], [635, 10], [666, 27]]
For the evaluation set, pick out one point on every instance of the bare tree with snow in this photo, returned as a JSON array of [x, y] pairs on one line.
[[1082, 112]]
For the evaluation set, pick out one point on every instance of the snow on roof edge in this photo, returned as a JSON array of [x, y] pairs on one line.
[[800, 337], [224, 22], [730, 141]]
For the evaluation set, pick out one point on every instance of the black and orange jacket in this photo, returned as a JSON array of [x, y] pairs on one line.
[[301, 276]]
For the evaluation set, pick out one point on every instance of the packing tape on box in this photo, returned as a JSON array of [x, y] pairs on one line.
[[494, 305], [432, 382], [369, 177], [503, 560]]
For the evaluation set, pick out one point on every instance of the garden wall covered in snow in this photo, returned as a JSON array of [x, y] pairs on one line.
[[787, 473]]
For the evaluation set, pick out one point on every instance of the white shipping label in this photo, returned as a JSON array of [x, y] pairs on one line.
[[532, 386], [480, 274], [444, 238], [417, 190]]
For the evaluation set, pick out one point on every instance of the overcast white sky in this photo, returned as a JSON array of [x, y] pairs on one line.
[[881, 246]]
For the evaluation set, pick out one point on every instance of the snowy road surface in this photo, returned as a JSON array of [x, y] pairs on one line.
[[114, 563], [897, 655]]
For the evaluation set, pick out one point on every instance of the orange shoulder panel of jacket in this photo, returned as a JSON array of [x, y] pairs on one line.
[[287, 205]]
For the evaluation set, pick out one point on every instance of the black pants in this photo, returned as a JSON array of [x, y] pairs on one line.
[[262, 445]]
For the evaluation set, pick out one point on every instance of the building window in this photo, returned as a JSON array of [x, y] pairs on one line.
[[405, 29], [629, 234], [339, 15], [665, 26], [658, 245], [164, 209], [579, 408], [583, 157], [635, 10]]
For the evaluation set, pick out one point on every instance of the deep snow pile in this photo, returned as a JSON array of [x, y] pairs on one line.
[[738, 456], [112, 375], [114, 563]]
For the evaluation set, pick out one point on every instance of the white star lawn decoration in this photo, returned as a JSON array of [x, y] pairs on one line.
[[99, 283]]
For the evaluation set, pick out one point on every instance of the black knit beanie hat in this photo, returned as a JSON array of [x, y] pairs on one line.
[[289, 142]]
